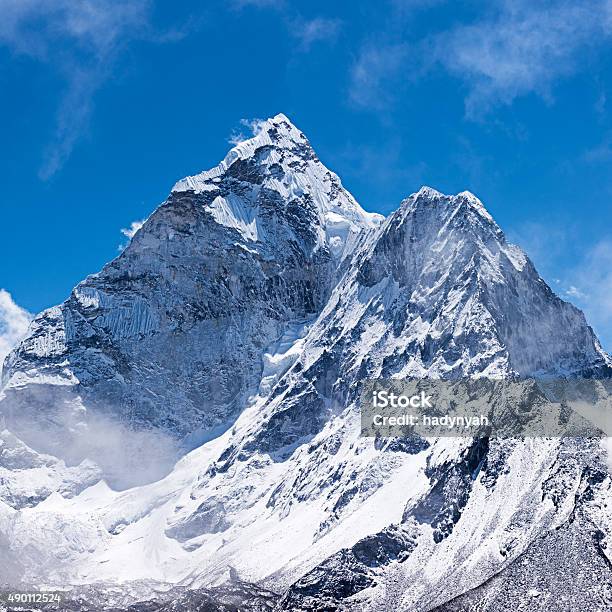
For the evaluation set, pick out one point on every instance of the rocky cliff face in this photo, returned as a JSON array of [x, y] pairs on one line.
[[171, 333], [243, 318]]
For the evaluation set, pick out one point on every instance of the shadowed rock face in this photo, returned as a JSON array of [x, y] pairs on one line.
[[349, 571], [468, 301]]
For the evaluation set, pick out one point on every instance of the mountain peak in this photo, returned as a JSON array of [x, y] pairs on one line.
[[475, 203], [278, 132], [428, 194], [278, 159], [282, 122]]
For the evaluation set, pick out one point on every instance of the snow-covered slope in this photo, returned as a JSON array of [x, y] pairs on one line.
[[242, 319]]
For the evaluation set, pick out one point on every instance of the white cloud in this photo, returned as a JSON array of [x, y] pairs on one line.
[[129, 232], [252, 127], [522, 47], [134, 227], [81, 41], [305, 31], [309, 31], [602, 152], [14, 322], [236, 137], [593, 285], [375, 67], [574, 292], [512, 48]]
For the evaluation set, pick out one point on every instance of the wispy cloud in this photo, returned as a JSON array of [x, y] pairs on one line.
[[376, 67], [601, 103], [574, 292], [236, 137], [390, 56], [602, 152], [521, 47], [510, 49], [248, 128], [306, 31], [592, 288], [81, 41], [134, 227], [309, 31], [129, 232], [14, 322]]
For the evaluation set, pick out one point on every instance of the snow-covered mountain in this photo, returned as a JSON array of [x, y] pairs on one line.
[[221, 356], [209, 281]]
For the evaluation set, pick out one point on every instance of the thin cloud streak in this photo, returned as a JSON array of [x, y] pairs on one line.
[[252, 126], [376, 67], [592, 289], [310, 31], [129, 232], [134, 227], [81, 41], [305, 31]]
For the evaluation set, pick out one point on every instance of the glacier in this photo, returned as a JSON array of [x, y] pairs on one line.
[[186, 424]]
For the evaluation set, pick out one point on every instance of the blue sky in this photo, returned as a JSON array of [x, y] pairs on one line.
[[104, 105]]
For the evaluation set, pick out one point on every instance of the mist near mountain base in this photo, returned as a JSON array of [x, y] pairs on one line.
[[127, 457]]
